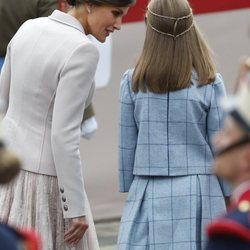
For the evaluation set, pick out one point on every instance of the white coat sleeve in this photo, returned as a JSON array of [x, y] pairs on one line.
[[74, 88]]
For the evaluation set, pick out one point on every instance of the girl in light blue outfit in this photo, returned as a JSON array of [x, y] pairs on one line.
[[168, 113]]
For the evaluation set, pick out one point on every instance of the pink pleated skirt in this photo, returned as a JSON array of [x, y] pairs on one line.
[[32, 201]]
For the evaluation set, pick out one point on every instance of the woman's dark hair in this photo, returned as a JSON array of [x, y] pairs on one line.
[[71, 2], [118, 3]]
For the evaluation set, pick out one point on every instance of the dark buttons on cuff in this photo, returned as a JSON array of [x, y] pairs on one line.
[[62, 190], [63, 198], [65, 207]]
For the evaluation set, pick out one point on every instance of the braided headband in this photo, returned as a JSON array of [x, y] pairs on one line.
[[175, 24]]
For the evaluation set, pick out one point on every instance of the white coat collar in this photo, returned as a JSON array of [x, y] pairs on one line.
[[66, 19]]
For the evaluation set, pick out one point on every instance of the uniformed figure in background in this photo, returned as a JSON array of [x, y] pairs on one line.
[[232, 231], [13, 14]]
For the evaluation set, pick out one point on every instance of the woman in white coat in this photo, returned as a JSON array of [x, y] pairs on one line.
[[46, 81]]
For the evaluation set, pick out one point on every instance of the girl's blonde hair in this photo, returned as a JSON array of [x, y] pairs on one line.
[[173, 47]]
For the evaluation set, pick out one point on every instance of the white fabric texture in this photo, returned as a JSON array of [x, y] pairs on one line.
[[88, 128]]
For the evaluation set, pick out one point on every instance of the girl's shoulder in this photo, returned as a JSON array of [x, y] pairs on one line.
[[126, 85], [218, 80]]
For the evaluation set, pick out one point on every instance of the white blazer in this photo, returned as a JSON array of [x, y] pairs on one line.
[[45, 83]]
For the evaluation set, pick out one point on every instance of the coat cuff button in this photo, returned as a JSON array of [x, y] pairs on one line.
[[63, 198], [65, 207], [62, 190]]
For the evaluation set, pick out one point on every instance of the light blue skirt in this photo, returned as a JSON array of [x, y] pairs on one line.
[[169, 213]]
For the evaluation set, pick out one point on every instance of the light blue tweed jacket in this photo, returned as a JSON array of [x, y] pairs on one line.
[[167, 134]]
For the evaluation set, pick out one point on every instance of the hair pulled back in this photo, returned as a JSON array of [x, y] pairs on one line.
[[71, 2], [118, 3], [173, 49]]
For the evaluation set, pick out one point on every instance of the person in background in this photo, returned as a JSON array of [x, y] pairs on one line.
[[232, 230], [46, 82], [1, 62], [16, 239], [243, 74], [168, 114], [12, 15]]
